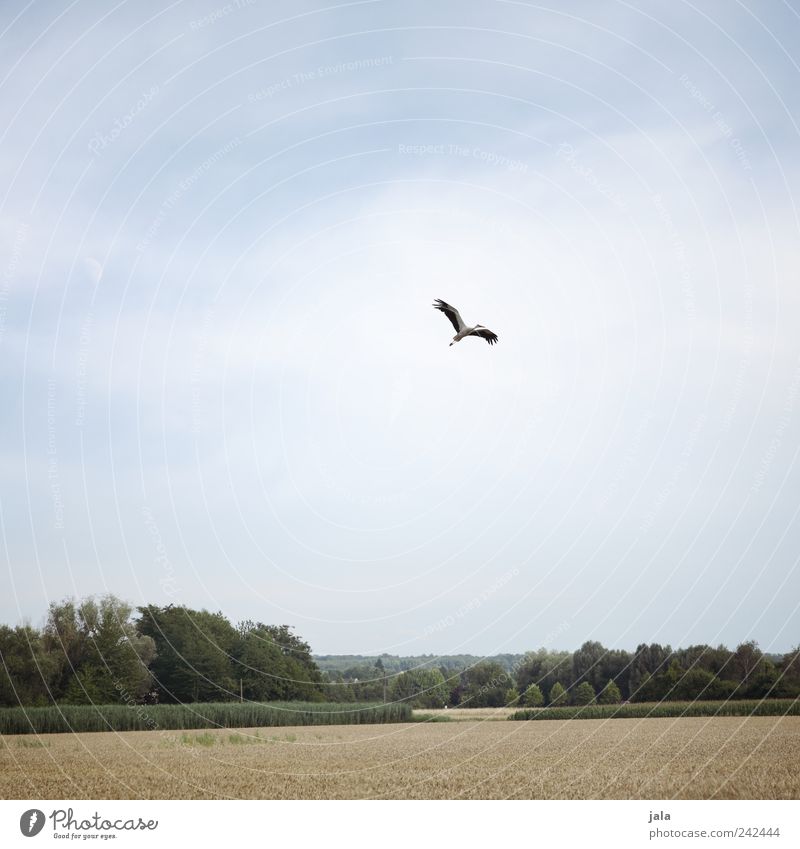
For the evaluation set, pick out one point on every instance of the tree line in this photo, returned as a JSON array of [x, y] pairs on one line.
[[592, 674], [103, 651]]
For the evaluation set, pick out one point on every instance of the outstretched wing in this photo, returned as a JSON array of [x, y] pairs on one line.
[[451, 313], [485, 333]]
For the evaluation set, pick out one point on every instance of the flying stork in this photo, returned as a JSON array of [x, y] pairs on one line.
[[461, 329]]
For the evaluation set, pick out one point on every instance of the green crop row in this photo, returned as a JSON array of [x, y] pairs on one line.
[[643, 710], [133, 717]]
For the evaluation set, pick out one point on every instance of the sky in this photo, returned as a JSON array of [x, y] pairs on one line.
[[222, 227]]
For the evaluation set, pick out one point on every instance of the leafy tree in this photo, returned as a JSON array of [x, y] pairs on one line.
[[647, 662], [584, 695], [336, 689], [27, 671], [380, 671], [273, 664], [747, 661], [512, 697], [99, 654], [485, 685], [544, 668], [456, 684], [692, 685], [193, 653], [586, 662], [790, 664], [787, 684], [422, 688], [533, 697], [610, 694], [615, 664], [558, 695]]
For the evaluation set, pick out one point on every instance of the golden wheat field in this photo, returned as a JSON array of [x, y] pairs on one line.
[[747, 758]]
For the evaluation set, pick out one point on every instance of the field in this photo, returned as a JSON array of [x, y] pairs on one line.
[[692, 757]]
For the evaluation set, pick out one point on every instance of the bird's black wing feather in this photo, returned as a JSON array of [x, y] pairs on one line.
[[451, 312], [486, 334]]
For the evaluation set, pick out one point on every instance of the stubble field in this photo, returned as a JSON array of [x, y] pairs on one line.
[[695, 758]]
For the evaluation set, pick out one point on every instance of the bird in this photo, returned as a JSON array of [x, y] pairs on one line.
[[461, 329]]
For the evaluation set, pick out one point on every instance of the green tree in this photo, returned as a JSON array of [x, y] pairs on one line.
[[193, 654], [747, 661], [647, 663], [544, 667], [485, 685], [584, 695], [274, 664], [533, 697], [693, 684], [100, 655], [790, 664], [558, 695], [610, 694], [512, 697], [422, 688], [27, 671], [586, 662]]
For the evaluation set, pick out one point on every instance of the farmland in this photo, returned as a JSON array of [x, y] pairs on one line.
[[657, 758]]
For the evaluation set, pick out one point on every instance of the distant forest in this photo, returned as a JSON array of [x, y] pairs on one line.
[[103, 651]]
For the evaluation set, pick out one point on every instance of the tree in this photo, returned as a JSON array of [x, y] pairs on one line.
[[586, 663], [193, 653], [99, 653], [485, 685], [610, 694], [336, 689], [512, 697], [422, 688], [647, 662], [747, 660], [584, 695], [615, 664], [790, 664], [558, 695], [788, 683], [380, 670], [455, 681], [544, 667], [533, 697], [273, 664], [27, 671], [692, 685]]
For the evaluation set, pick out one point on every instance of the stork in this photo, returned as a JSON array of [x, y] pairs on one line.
[[461, 329]]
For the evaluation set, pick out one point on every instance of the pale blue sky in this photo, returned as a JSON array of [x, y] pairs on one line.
[[223, 384]]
